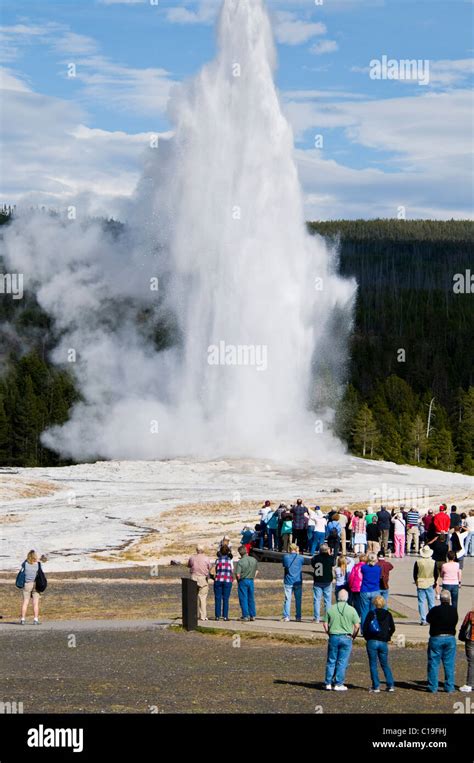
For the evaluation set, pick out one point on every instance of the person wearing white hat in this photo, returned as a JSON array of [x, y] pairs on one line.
[[425, 575]]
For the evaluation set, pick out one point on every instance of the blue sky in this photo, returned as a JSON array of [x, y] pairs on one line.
[[386, 143]]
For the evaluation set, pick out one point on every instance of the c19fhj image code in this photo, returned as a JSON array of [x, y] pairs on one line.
[[236, 386]]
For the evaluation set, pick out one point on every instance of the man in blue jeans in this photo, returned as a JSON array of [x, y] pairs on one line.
[[323, 566], [442, 643], [245, 573], [293, 563], [341, 623]]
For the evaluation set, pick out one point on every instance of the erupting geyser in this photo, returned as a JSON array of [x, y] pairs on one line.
[[260, 317]]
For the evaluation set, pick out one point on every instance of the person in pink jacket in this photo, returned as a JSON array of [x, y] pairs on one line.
[[354, 582]]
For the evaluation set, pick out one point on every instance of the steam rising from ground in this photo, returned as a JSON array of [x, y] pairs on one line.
[[248, 328]]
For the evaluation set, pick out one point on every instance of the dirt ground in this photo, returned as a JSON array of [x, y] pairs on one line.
[[164, 671]]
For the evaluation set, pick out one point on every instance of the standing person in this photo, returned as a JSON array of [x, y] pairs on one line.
[[225, 542], [342, 571], [378, 629], [442, 643], [470, 529], [355, 582], [383, 524], [440, 548], [333, 532], [413, 530], [286, 530], [293, 563], [454, 518], [282, 509], [341, 623], [466, 634], [272, 530], [399, 535], [323, 566], [247, 536], [441, 521], [31, 572], [373, 536], [359, 534], [386, 568], [348, 514], [370, 515], [425, 575], [458, 544], [450, 578], [320, 524], [310, 529], [343, 521], [245, 573], [223, 572], [300, 517], [265, 513], [370, 588], [427, 522], [200, 566]]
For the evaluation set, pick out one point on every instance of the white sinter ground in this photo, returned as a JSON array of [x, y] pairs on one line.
[[94, 502]]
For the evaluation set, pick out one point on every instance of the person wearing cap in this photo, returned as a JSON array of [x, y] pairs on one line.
[[425, 575], [441, 522], [442, 643]]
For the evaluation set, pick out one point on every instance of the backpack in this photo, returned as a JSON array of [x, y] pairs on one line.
[[40, 580], [374, 628], [465, 632], [20, 578]]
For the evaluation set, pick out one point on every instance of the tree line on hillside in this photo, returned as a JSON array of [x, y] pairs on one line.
[[411, 348]]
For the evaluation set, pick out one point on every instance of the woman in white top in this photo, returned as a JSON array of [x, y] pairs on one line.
[[319, 535], [469, 544], [311, 529]]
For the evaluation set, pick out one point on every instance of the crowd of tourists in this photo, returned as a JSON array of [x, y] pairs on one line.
[[346, 553]]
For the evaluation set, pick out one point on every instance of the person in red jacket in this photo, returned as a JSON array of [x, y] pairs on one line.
[[442, 521]]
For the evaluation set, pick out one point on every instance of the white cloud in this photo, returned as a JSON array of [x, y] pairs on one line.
[[204, 12], [291, 30], [51, 157], [115, 85], [11, 81], [418, 160], [324, 46], [123, 88]]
